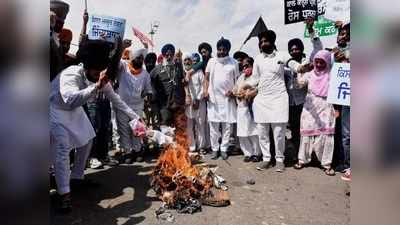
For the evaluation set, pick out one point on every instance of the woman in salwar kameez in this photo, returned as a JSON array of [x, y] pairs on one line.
[[317, 126]]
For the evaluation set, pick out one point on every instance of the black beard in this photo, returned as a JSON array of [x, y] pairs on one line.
[[91, 79], [150, 68], [136, 65], [267, 49]]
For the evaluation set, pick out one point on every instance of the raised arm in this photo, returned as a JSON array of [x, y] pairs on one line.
[[314, 37], [83, 36]]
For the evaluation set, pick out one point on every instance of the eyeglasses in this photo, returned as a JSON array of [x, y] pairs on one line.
[[246, 65]]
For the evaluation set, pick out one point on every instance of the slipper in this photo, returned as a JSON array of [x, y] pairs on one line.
[[329, 172], [298, 166]]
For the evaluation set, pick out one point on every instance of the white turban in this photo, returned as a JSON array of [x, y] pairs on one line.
[[136, 53], [186, 55]]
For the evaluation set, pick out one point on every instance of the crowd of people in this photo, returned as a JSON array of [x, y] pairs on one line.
[[231, 102]]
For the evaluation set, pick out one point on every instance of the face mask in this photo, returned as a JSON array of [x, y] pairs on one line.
[[188, 67], [248, 72], [222, 59]]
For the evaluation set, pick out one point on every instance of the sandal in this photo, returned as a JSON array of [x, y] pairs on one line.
[[298, 166], [329, 171]]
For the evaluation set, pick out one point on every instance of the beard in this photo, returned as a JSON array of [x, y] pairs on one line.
[[267, 49], [137, 65]]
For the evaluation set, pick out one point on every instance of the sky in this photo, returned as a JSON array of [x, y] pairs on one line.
[[187, 23]]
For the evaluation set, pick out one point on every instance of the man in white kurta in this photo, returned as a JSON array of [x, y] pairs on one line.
[[134, 86], [70, 127], [271, 104], [196, 109], [221, 73]]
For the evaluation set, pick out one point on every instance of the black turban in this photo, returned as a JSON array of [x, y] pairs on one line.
[[94, 54], [151, 57], [240, 55], [166, 48], [206, 46], [225, 43], [269, 35], [297, 42]]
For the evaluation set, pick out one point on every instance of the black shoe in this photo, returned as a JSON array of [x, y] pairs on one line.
[[224, 155], [110, 161], [255, 158], [77, 184], [247, 159], [203, 151], [65, 205], [214, 155], [140, 155]]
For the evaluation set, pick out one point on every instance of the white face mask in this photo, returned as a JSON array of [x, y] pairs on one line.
[[223, 59]]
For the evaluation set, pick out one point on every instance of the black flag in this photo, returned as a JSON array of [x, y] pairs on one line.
[[258, 29]]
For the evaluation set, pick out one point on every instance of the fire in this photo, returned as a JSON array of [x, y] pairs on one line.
[[175, 177]]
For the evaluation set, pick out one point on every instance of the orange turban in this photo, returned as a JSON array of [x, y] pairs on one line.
[[125, 54], [65, 35]]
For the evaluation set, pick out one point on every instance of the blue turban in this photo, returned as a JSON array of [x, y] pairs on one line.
[[196, 57], [166, 48], [225, 43]]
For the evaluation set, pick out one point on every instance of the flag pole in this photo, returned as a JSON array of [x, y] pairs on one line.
[[85, 5], [241, 47]]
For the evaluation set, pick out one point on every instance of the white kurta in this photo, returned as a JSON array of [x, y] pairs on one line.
[[195, 87], [69, 91], [245, 122], [271, 105], [222, 79], [132, 89]]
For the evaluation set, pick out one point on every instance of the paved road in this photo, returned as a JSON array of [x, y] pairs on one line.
[[305, 197]]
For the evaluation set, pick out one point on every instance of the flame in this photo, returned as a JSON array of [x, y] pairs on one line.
[[174, 175]]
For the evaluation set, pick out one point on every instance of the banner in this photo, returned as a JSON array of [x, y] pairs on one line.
[[110, 26], [338, 10], [339, 84], [299, 10], [322, 27]]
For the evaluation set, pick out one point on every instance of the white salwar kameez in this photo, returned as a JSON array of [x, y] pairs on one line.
[[221, 110], [197, 118], [132, 89], [271, 105], [70, 127], [246, 127]]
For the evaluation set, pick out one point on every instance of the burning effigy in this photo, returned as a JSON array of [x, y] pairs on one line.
[[180, 184]]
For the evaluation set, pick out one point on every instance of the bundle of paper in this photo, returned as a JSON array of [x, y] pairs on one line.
[[159, 137]]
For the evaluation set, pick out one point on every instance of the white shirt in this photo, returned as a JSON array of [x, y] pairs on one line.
[[133, 87], [221, 80], [69, 91], [271, 104]]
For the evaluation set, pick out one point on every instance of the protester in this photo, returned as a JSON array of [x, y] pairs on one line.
[[318, 116], [167, 79], [271, 104], [58, 11], [221, 73], [246, 127], [340, 54], [296, 95], [134, 86], [195, 106], [65, 38], [69, 126], [240, 56]]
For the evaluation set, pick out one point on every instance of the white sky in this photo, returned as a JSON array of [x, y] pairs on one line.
[[187, 23]]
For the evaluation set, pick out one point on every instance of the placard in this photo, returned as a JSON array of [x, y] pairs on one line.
[[339, 84], [109, 25]]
